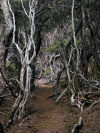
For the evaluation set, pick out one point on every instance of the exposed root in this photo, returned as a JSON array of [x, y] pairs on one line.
[[96, 102], [61, 95], [24, 121], [78, 126]]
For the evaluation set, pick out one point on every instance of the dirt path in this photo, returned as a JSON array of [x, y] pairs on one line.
[[49, 118]]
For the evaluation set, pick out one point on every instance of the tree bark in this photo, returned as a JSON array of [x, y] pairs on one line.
[[1, 63], [7, 39], [84, 62]]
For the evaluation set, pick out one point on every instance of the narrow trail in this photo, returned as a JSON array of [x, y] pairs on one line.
[[49, 117]]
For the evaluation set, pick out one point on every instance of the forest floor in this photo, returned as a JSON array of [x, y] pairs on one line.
[[44, 116]]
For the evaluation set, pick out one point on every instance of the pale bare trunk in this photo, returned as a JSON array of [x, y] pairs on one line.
[[25, 59]]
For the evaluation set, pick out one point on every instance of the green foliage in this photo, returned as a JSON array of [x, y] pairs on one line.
[[65, 42], [5, 117], [53, 47], [37, 66], [11, 66], [97, 4], [95, 73], [78, 41], [47, 71]]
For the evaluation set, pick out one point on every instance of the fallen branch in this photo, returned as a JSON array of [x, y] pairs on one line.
[[61, 95]]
